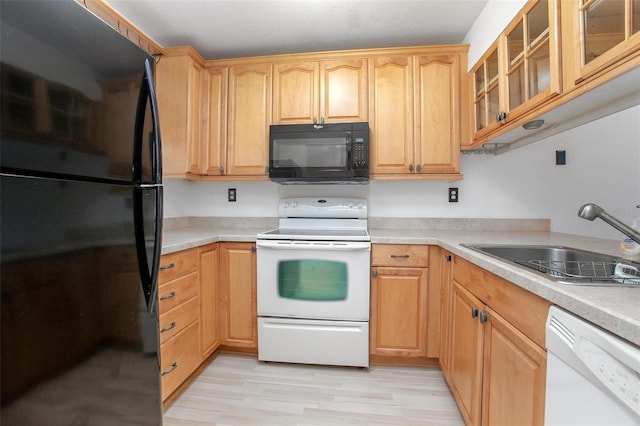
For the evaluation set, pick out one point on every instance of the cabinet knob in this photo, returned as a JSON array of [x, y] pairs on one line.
[[221, 170], [449, 258], [253, 248], [374, 273], [410, 167], [483, 317], [418, 167], [474, 312]]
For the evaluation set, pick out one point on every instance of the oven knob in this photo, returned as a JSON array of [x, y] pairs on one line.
[[351, 205], [286, 205], [294, 204]]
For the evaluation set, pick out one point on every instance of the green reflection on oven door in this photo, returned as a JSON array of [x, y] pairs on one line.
[[310, 279]]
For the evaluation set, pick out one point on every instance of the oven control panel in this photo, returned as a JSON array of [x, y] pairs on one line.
[[323, 207]]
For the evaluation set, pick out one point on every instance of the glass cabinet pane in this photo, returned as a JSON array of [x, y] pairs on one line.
[[481, 108], [479, 77], [539, 70], [493, 98], [516, 87], [492, 67], [604, 27], [515, 44], [538, 21]]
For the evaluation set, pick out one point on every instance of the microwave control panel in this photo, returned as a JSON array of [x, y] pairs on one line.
[[360, 151]]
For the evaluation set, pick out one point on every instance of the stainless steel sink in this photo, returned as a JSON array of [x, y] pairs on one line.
[[567, 265]]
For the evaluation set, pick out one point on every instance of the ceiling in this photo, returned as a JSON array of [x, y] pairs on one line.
[[239, 28]]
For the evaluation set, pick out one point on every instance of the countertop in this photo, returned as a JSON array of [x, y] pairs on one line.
[[616, 309]]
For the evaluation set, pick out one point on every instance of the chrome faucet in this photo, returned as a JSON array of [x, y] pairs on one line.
[[591, 211]]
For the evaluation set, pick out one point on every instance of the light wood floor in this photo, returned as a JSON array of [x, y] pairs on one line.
[[240, 390]]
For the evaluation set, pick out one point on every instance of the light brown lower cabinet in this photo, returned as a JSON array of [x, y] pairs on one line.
[[404, 303], [209, 271], [178, 310], [238, 315], [497, 363]]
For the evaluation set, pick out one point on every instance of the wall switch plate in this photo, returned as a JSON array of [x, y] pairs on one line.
[[231, 195], [561, 158], [454, 195]]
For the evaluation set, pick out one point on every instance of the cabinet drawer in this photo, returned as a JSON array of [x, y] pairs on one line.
[[172, 322], [179, 356], [177, 264], [176, 292], [399, 255]]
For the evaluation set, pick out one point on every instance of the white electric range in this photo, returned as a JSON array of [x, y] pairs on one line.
[[313, 283]]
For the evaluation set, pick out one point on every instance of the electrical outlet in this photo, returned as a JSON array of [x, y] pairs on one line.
[[561, 158], [231, 195], [454, 195]]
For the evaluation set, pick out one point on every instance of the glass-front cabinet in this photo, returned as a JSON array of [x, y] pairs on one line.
[[487, 91], [521, 69], [608, 31]]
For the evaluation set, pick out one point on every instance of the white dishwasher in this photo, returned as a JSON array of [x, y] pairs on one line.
[[593, 377]]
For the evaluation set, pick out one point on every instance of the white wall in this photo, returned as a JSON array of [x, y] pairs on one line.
[[603, 159]]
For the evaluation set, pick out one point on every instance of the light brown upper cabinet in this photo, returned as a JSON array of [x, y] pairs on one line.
[[602, 33], [249, 117], [312, 91], [416, 115], [178, 76], [208, 157], [520, 70]]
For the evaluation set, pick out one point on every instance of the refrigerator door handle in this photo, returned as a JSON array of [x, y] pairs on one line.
[[148, 267]]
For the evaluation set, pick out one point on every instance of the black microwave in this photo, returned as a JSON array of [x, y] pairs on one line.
[[327, 153]]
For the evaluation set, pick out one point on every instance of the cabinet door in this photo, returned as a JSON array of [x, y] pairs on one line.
[[603, 34], [249, 119], [532, 58], [487, 92], [343, 90], [466, 353], [437, 114], [391, 114], [514, 375], [399, 311], [445, 314], [178, 88], [238, 295], [295, 93], [213, 151], [209, 271]]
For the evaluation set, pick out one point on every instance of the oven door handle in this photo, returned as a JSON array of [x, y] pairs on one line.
[[314, 245]]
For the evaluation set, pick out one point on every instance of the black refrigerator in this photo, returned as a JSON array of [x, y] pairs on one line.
[[80, 221]]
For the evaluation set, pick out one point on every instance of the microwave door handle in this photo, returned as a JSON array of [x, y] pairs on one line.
[[349, 153]]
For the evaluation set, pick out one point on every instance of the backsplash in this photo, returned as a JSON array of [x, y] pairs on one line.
[[602, 167]]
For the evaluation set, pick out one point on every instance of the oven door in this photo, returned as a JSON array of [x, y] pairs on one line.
[[313, 279]]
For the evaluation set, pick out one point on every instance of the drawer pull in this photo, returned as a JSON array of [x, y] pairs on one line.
[[169, 371], [399, 256], [171, 326], [169, 266], [168, 296]]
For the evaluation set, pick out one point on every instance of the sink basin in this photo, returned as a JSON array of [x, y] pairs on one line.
[[567, 265]]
